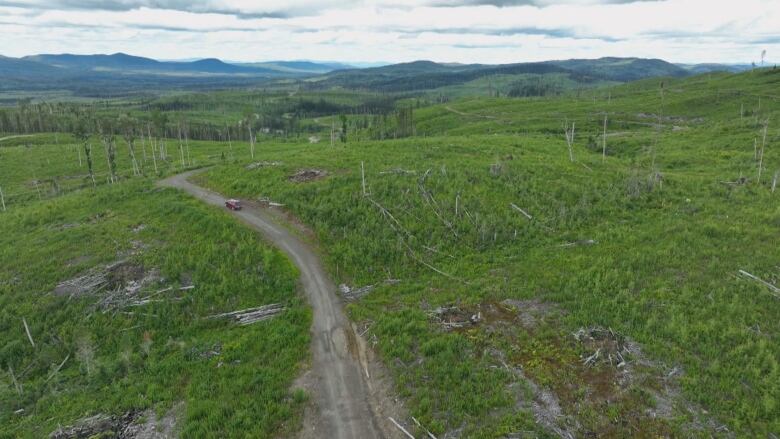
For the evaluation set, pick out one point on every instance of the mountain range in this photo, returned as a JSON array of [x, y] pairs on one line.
[[119, 72]]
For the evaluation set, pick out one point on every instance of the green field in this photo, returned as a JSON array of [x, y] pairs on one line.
[[648, 242], [541, 290], [155, 355]]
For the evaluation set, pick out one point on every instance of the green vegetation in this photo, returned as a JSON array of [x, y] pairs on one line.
[[671, 223], [233, 381], [522, 272]]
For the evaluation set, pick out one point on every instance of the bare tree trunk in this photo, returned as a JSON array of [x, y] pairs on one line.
[[17, 386], [363, 178], [108, 161], [230, 144], [27, 330], [187, 145], [761, 153], [2, 199], [604, 141], [569, 138], [136, 169], [251, 142], [79, 152], [143, 145], [181, 149], [151, 140]]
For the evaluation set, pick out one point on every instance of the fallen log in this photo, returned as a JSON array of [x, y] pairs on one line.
[[580, 242], [251, 315], [775, 290], [430, 435], [27, 330], [409, 435], [515, 207]]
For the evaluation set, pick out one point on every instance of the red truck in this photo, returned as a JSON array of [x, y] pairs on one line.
[[233, 204]]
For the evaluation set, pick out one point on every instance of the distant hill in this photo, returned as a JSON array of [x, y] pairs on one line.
[[621, 69], [121, 62], [427, 75], [98, 75]]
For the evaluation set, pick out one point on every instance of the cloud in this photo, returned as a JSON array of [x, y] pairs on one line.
[[487, 31]]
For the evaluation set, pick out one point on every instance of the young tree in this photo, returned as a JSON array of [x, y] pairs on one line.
[[248, 120]]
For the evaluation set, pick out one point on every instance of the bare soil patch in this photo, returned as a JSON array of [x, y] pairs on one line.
[[305, 175]]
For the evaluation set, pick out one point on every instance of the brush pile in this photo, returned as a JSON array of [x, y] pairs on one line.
[[305, 175], [603, 346]]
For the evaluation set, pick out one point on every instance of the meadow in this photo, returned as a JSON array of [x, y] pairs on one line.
[[153, 350], [645, 238], [522, 286]]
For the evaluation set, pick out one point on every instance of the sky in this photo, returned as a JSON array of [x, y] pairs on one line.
[[366, 31]]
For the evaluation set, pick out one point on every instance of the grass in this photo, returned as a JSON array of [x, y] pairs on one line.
[[152, 356], [664, 271], [670, 231]]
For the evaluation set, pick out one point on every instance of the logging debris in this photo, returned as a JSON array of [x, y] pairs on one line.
[[400, 427], [251, 315], [775, 291], [122, 275], [398, 171], [134, 424], [117, 285], [266, 202], [351, 294], [263, 164], [305, 175], [452, 317], [101, 425], [580, 242], [603, 346]]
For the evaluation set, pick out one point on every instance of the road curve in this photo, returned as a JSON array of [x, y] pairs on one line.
[[342, 394]]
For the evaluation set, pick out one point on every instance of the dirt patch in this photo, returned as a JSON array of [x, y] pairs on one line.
[[305, 175], [494, 315], [544, 404], [531, 313]]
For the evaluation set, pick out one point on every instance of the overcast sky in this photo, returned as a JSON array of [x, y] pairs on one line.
[[487, 31]]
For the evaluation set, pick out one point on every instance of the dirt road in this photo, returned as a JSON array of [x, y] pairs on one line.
[[349, 389]]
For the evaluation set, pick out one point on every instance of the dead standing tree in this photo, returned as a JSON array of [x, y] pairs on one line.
[[249, 120], [569, 132], [151, 141], [761, 152], [107, 137], [127, 125], [181, 149], [604, 141]]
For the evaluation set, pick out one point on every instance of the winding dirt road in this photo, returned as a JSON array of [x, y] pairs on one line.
[[349, 388]]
